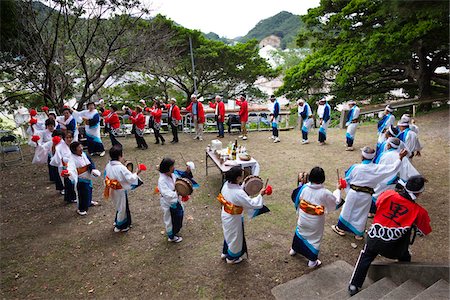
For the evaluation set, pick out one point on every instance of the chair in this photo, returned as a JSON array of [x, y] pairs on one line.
[[233, 122], [210, 120], [10, 144], [253, 118], [165, 121]]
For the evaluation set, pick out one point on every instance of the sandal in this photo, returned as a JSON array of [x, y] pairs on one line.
[[337, 230]]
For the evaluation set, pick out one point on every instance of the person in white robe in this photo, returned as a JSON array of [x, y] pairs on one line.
[[351, 123], [389, 157], [307, 117], [118, 181], [60, 159], [312, 200], [385, 122], [361, 181], [171, 204], [91, 118], [392, 131], [324, 112], [409, 137], [67, 122], [234, 201], [81, 170]]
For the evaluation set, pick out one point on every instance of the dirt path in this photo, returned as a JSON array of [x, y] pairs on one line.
[[48, 251]]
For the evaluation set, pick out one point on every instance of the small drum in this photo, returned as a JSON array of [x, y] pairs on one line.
[[129, 165], [303, 177], [184, 187], [252, 185]]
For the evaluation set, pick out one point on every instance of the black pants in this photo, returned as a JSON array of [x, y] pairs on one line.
[[174, 131], [69, 191], [113, 139], [141, 143], [374, 246], [84, 195], [158, 135], [275, 131]]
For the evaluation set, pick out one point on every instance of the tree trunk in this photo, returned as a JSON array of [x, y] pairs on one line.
[[424, 73]]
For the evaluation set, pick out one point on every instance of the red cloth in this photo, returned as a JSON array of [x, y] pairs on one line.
[[243, 111], [56, 139], [44, 108], [112, 119], [138, 120], [200, 111], [33, 121], [175, 112], [35, 138], [393, 210], [33, 112], [157, 114], [221, 112]]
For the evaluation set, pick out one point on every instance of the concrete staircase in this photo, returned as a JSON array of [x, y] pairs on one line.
[[384, 281]]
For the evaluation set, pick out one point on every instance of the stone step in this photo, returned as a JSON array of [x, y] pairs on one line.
[[339, 295], [376, 290], [343, 293], [407, 290], [439, 290], [316, 284]]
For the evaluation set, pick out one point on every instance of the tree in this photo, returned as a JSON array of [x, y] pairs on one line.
[[219, 68], [33, 59], [110, 38], [75, 42], [366, 48]]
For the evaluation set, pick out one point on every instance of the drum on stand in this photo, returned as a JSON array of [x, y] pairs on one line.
[[253, 185]]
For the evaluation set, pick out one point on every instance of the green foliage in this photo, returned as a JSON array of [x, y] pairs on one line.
[[284, 25], [219, 68], [365, 48]]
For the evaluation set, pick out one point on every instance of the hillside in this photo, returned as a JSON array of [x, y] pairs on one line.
[[284, 24]]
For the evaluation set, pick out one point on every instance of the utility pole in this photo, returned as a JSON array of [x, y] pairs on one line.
[[193, 66]]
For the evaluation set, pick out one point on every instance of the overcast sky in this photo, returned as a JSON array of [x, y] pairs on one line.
[[230, 18]]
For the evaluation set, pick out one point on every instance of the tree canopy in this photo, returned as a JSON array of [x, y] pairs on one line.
[[366, 48], [219, 68]]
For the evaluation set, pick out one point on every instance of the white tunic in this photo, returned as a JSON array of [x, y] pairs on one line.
[[412, 141], [77, 161], [169, 198], [62, 123], [390, 157], [351, 127], [233, 224], [116, 170], [357, 204], [310, 227], [92, 131]]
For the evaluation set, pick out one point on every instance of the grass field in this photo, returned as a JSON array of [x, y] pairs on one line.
[[48, 251]]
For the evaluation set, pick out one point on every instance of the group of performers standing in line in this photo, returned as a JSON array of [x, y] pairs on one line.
[[385, 185]]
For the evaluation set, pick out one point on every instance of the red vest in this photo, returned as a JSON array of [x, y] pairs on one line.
[[395, 211]]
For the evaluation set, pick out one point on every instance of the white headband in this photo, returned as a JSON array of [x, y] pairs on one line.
[[389, 109], [391, 142], [367, 155]]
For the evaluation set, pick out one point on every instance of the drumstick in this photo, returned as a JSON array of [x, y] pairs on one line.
[[267, 181], [337, 171], [182, 157]]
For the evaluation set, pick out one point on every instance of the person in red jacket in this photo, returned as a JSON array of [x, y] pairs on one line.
[[112, 124], [198, 114], [174, 118], [139, 121], [156, 113], [243, 115], [397, 215], [219, 113]]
